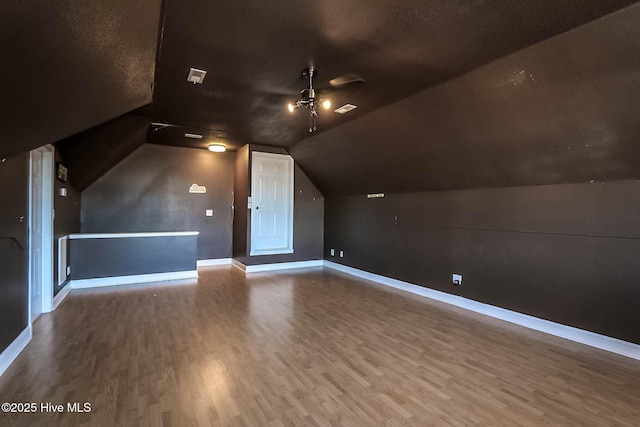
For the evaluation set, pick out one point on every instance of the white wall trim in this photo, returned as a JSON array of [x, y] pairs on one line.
[[57, 300], [213, 261], [277, 266], [48, 205], [45, 281], [128, 280], [582, 336], [13, 350], [284, 266], [63, 244], [238, 265], [30, 246], [130, 235]]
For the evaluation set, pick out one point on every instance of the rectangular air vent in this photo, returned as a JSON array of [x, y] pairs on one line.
[[196, 76], [192, 136], [345, 108]]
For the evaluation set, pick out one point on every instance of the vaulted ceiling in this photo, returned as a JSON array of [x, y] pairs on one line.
[[68, 66], [254, 53], [456, 94], [562, 111]]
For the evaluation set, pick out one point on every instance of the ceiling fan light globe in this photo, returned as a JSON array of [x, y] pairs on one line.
[[291, 107], [326, 104]]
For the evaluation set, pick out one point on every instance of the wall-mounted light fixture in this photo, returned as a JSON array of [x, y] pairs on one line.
[[217, 148]]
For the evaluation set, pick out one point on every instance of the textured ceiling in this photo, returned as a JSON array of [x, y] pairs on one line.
[[70, 65], [562, 111], [90, 154], [255, 51]]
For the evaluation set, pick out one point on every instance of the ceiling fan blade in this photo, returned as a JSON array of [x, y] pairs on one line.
[[276, 91], [345, 79], [160, 125]]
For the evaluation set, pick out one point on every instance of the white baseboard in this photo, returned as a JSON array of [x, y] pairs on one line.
[[238, 264], [13, 350], [57, 300], [582, 336], [277, 266], [215, 261], [128, 280]]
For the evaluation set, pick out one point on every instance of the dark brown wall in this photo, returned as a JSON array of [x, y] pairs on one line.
[[567, 253], [69, 65], [129, 256], [149, 191], [564, 110], [14, 284], [66, 220], [240, 213], [308, 214]]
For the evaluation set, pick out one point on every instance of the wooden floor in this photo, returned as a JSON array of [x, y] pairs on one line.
[[309, 347]]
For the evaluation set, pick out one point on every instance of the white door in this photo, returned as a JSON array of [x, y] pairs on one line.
[[35, 235], [272, 204], [41, 232]]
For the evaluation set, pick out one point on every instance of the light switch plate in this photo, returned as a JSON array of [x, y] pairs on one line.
[[208, 212]]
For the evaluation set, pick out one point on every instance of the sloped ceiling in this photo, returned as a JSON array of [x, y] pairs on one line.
[[90, 154], [70, 65], [254, 53], [565, 110]]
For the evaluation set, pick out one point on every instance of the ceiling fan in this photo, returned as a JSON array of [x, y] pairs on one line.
[[309, 96]]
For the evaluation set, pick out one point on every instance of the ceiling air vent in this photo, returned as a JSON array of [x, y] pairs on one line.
[[192, 135], [196, 76], [345, 108]]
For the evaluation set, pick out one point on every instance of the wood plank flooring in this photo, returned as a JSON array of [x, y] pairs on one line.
[[308, 347]]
